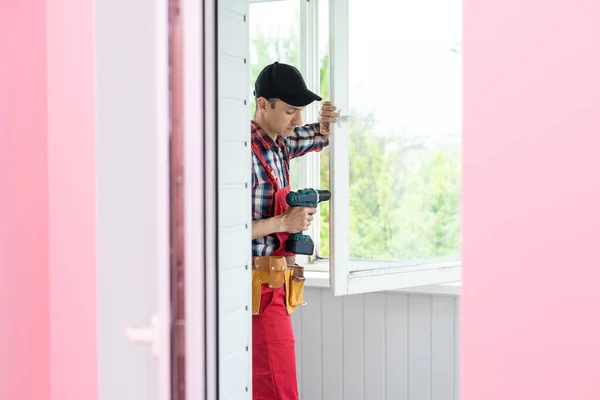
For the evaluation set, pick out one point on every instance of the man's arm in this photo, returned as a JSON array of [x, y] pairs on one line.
[[313, 137], [305, 139], [267, 226]]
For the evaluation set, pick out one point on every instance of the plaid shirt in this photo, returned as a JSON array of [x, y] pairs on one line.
[[303, 140]]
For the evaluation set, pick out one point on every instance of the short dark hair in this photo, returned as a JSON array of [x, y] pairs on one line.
[[272, 101]]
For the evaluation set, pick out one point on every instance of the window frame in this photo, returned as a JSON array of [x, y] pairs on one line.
[[335, 271]]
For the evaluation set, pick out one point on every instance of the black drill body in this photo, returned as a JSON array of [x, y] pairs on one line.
[[299, 243]]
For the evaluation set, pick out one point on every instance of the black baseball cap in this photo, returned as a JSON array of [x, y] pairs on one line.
[[284, 82]]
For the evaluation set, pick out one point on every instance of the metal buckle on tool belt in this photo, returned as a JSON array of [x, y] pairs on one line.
[[275, 266]]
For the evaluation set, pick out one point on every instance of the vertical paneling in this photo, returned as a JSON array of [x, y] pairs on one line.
[[419, 349], [396, 367], [457, 349], [352, 347], [392, 346], [442, 341], [374, 346], [332, 354], [234, 201]]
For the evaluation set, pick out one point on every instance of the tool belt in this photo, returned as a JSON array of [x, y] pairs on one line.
[[274, 272]]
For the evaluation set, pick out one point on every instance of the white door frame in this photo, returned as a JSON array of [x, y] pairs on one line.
[[200, 147]]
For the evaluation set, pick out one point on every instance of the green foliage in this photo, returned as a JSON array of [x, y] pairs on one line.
[[266, 50], [404, 198]]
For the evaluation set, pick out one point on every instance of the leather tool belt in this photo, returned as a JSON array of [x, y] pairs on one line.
[[274, 272], [271, 268]]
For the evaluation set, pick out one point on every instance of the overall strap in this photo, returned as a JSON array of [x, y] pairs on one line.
[[268, 168]]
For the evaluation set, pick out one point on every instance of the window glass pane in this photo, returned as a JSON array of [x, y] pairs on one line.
[[405, 108], [274, 36]]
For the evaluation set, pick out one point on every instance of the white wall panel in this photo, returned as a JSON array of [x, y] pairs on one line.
[[377, 346], [232, 213], [234, 163], [234, 120], [237, 291], [240, 257], [233, 84]]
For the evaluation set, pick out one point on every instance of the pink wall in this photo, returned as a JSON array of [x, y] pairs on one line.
[[47, 258], [531, 196], [531, 298], [24, 274], [72, 179]]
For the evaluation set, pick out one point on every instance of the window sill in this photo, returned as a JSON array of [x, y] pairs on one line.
[[319, 278]]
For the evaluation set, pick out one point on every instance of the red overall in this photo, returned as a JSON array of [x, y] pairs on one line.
[[273, 351]]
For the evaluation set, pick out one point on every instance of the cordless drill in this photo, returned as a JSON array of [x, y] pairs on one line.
[[298, 243]]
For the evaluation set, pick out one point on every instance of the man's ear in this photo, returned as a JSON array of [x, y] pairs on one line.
[[261, 104]]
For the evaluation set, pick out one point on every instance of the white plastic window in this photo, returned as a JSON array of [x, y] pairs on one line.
[[395, 156], [393, 165]]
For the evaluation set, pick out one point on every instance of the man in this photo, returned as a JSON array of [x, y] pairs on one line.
[[277, 282]]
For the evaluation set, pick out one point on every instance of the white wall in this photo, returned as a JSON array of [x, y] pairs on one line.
[[234, 164], [377, 346]]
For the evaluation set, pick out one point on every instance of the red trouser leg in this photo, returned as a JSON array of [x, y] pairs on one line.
[[273, 351]]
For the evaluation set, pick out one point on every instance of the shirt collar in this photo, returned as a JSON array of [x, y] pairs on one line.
[[262, 138]]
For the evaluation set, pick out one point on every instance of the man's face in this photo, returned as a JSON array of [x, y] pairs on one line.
[[281, 119]]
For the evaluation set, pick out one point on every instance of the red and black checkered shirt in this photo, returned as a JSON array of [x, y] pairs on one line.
[[303, 140]]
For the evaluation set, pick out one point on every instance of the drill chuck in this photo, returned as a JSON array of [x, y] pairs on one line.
[[324, 195]]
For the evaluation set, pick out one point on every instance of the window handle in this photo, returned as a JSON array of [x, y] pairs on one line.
[[147, 335], [353, 118], [341, 118]]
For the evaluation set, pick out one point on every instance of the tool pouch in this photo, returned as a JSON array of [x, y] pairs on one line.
[[271, 271], [295, 288]]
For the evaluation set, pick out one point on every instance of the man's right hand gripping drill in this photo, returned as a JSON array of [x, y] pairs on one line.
[[296, 219]]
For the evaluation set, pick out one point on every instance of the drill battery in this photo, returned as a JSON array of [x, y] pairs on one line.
[[298, 243]]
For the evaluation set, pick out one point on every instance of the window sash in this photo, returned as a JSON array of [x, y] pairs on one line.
[[309, 59], [343, 279]]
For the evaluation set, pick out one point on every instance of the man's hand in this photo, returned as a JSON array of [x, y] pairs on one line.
[[296, 219], [327, 116], [293, 220]]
